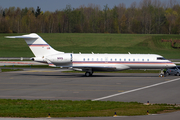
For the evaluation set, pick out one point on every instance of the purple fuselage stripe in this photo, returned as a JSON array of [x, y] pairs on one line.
[[96, 62], [38, 45]]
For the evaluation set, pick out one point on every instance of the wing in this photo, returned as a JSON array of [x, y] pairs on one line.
[[50, 63], [101, 68]]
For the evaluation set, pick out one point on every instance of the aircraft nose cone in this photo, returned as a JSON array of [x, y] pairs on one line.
[[172, 65]]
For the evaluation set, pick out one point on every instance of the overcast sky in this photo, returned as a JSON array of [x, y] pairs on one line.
[[52, 5]]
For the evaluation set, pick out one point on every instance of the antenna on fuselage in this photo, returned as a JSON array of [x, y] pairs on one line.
[[129, 52]]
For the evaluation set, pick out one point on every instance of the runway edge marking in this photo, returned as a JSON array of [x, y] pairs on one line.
[[136, 89]]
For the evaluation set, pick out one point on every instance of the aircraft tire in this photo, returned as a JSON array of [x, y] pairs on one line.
[[161, 75], [87, 74]]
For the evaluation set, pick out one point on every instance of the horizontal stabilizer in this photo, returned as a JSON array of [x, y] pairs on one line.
[[25, 37], [29, 36], [38, 46]]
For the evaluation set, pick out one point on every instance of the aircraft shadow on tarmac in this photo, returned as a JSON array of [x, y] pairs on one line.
[[97, 75]]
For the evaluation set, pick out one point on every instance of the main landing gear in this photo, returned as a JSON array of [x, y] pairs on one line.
[[87, 74]]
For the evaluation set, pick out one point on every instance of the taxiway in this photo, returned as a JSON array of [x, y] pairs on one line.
[[53, 85]]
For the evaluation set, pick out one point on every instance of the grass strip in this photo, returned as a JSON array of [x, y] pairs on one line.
[[14, 60], [68, 108], [95, 42], [9, 70], [28, 66]]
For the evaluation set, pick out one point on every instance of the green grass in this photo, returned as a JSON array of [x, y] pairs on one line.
[[9, 70], [94, 42], [68, 108], [27, 66]]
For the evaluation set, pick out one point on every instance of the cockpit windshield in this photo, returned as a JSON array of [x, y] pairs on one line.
[[161, 58]]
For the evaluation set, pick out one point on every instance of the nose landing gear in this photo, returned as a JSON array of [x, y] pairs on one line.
[[162, 73]]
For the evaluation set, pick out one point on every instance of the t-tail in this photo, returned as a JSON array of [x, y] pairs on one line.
[[38, 46]]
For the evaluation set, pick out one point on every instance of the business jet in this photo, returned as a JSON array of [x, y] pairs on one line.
[[89, 63]]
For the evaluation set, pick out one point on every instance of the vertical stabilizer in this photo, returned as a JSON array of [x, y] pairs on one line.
[[37, 45]]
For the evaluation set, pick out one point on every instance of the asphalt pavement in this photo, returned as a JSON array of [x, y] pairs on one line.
[[127, 87]]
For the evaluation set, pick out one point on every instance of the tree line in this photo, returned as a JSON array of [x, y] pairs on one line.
[[145, 17]]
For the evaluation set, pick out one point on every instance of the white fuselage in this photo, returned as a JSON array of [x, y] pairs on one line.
[[110, 62]]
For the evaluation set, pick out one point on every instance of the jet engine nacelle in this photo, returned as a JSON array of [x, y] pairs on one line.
[[60, 59]]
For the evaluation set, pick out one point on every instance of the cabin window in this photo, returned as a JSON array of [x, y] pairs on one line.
[[119, 59], [84, 59], [147, 59], [129, 59], [97, 59], [111, 59], [142, 59], [101, 59], [133, 59], [124, 59], [115, 59], [88, 59], [92, 59], [138, 59]]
